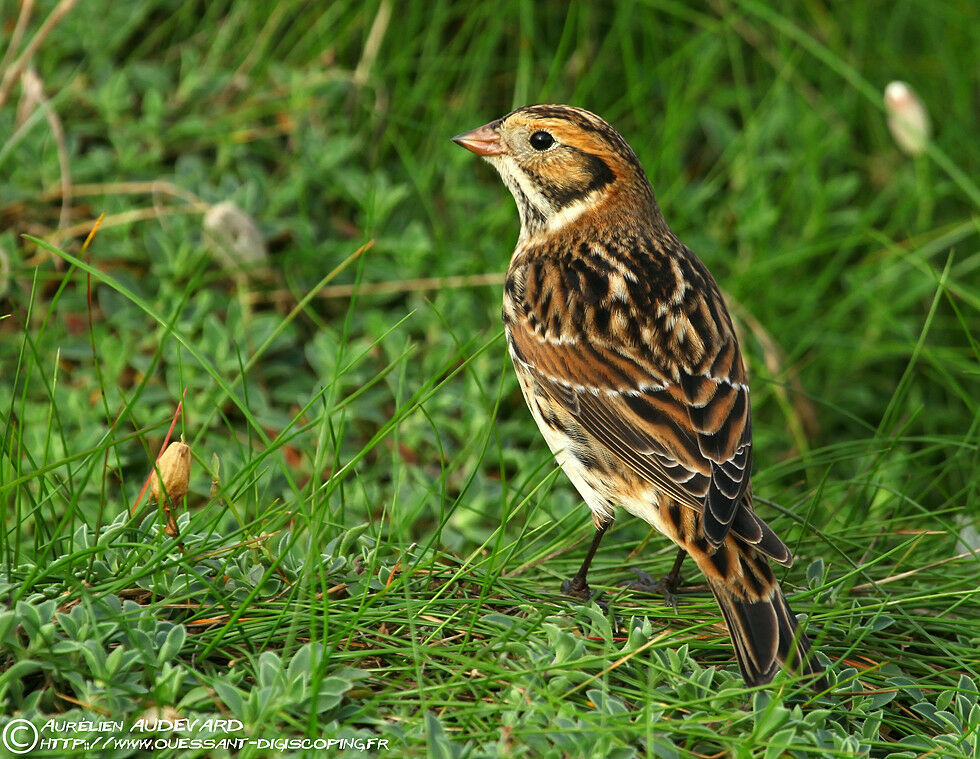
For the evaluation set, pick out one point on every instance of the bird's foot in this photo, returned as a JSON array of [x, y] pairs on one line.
[[578, 588], [666, 586]]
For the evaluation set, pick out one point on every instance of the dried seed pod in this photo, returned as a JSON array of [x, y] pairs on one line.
[[234, 236], [215, 475], [4, 272], [173, 472], [158, 716], [908, 119]]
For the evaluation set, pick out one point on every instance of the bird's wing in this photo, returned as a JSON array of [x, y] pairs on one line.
[[684, 426]]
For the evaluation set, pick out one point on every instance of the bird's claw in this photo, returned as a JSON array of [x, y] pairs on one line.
[[644, 583]]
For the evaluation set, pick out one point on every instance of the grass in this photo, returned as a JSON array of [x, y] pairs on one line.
[[375, 534]]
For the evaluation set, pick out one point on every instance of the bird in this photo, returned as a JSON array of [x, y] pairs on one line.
[[627, 357]]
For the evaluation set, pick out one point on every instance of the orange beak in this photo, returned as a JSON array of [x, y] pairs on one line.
[[484, 140]]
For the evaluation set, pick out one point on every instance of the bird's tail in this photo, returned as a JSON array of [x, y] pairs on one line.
[[763, 628]]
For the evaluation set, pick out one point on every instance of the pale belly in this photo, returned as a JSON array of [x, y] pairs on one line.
[[605, 484]]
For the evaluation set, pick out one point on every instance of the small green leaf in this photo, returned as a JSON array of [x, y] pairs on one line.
[[778, 744], [880, 622], [8, 621], [302, 663], [974, 719], [871, 726], [966, 687], [879, 699], [439, 746], [269, 670], [172, 644], [230, 695], [815, 573], [499, 620], [927, 710], [907, 685], [30, 618]]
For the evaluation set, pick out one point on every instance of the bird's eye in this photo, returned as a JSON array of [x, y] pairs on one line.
[[541, 140]]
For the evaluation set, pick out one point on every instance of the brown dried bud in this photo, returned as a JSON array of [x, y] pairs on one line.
[[173, 472]]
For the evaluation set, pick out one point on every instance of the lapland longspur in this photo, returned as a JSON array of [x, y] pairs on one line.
[[627, 358]]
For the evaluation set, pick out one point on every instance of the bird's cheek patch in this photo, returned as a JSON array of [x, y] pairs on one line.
[[586, 174]]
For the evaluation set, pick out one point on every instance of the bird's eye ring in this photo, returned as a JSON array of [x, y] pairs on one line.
[[541, 140]]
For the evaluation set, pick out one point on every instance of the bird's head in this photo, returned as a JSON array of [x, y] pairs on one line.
[[562, 163]]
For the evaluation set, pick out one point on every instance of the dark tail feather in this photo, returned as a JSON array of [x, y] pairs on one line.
[[753, 531], [766, 638]]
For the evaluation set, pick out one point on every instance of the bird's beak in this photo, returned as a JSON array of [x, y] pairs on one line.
[[484, 140]]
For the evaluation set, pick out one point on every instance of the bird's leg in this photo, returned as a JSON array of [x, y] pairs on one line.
[[673, 578], [577, 585], [666, 586]]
